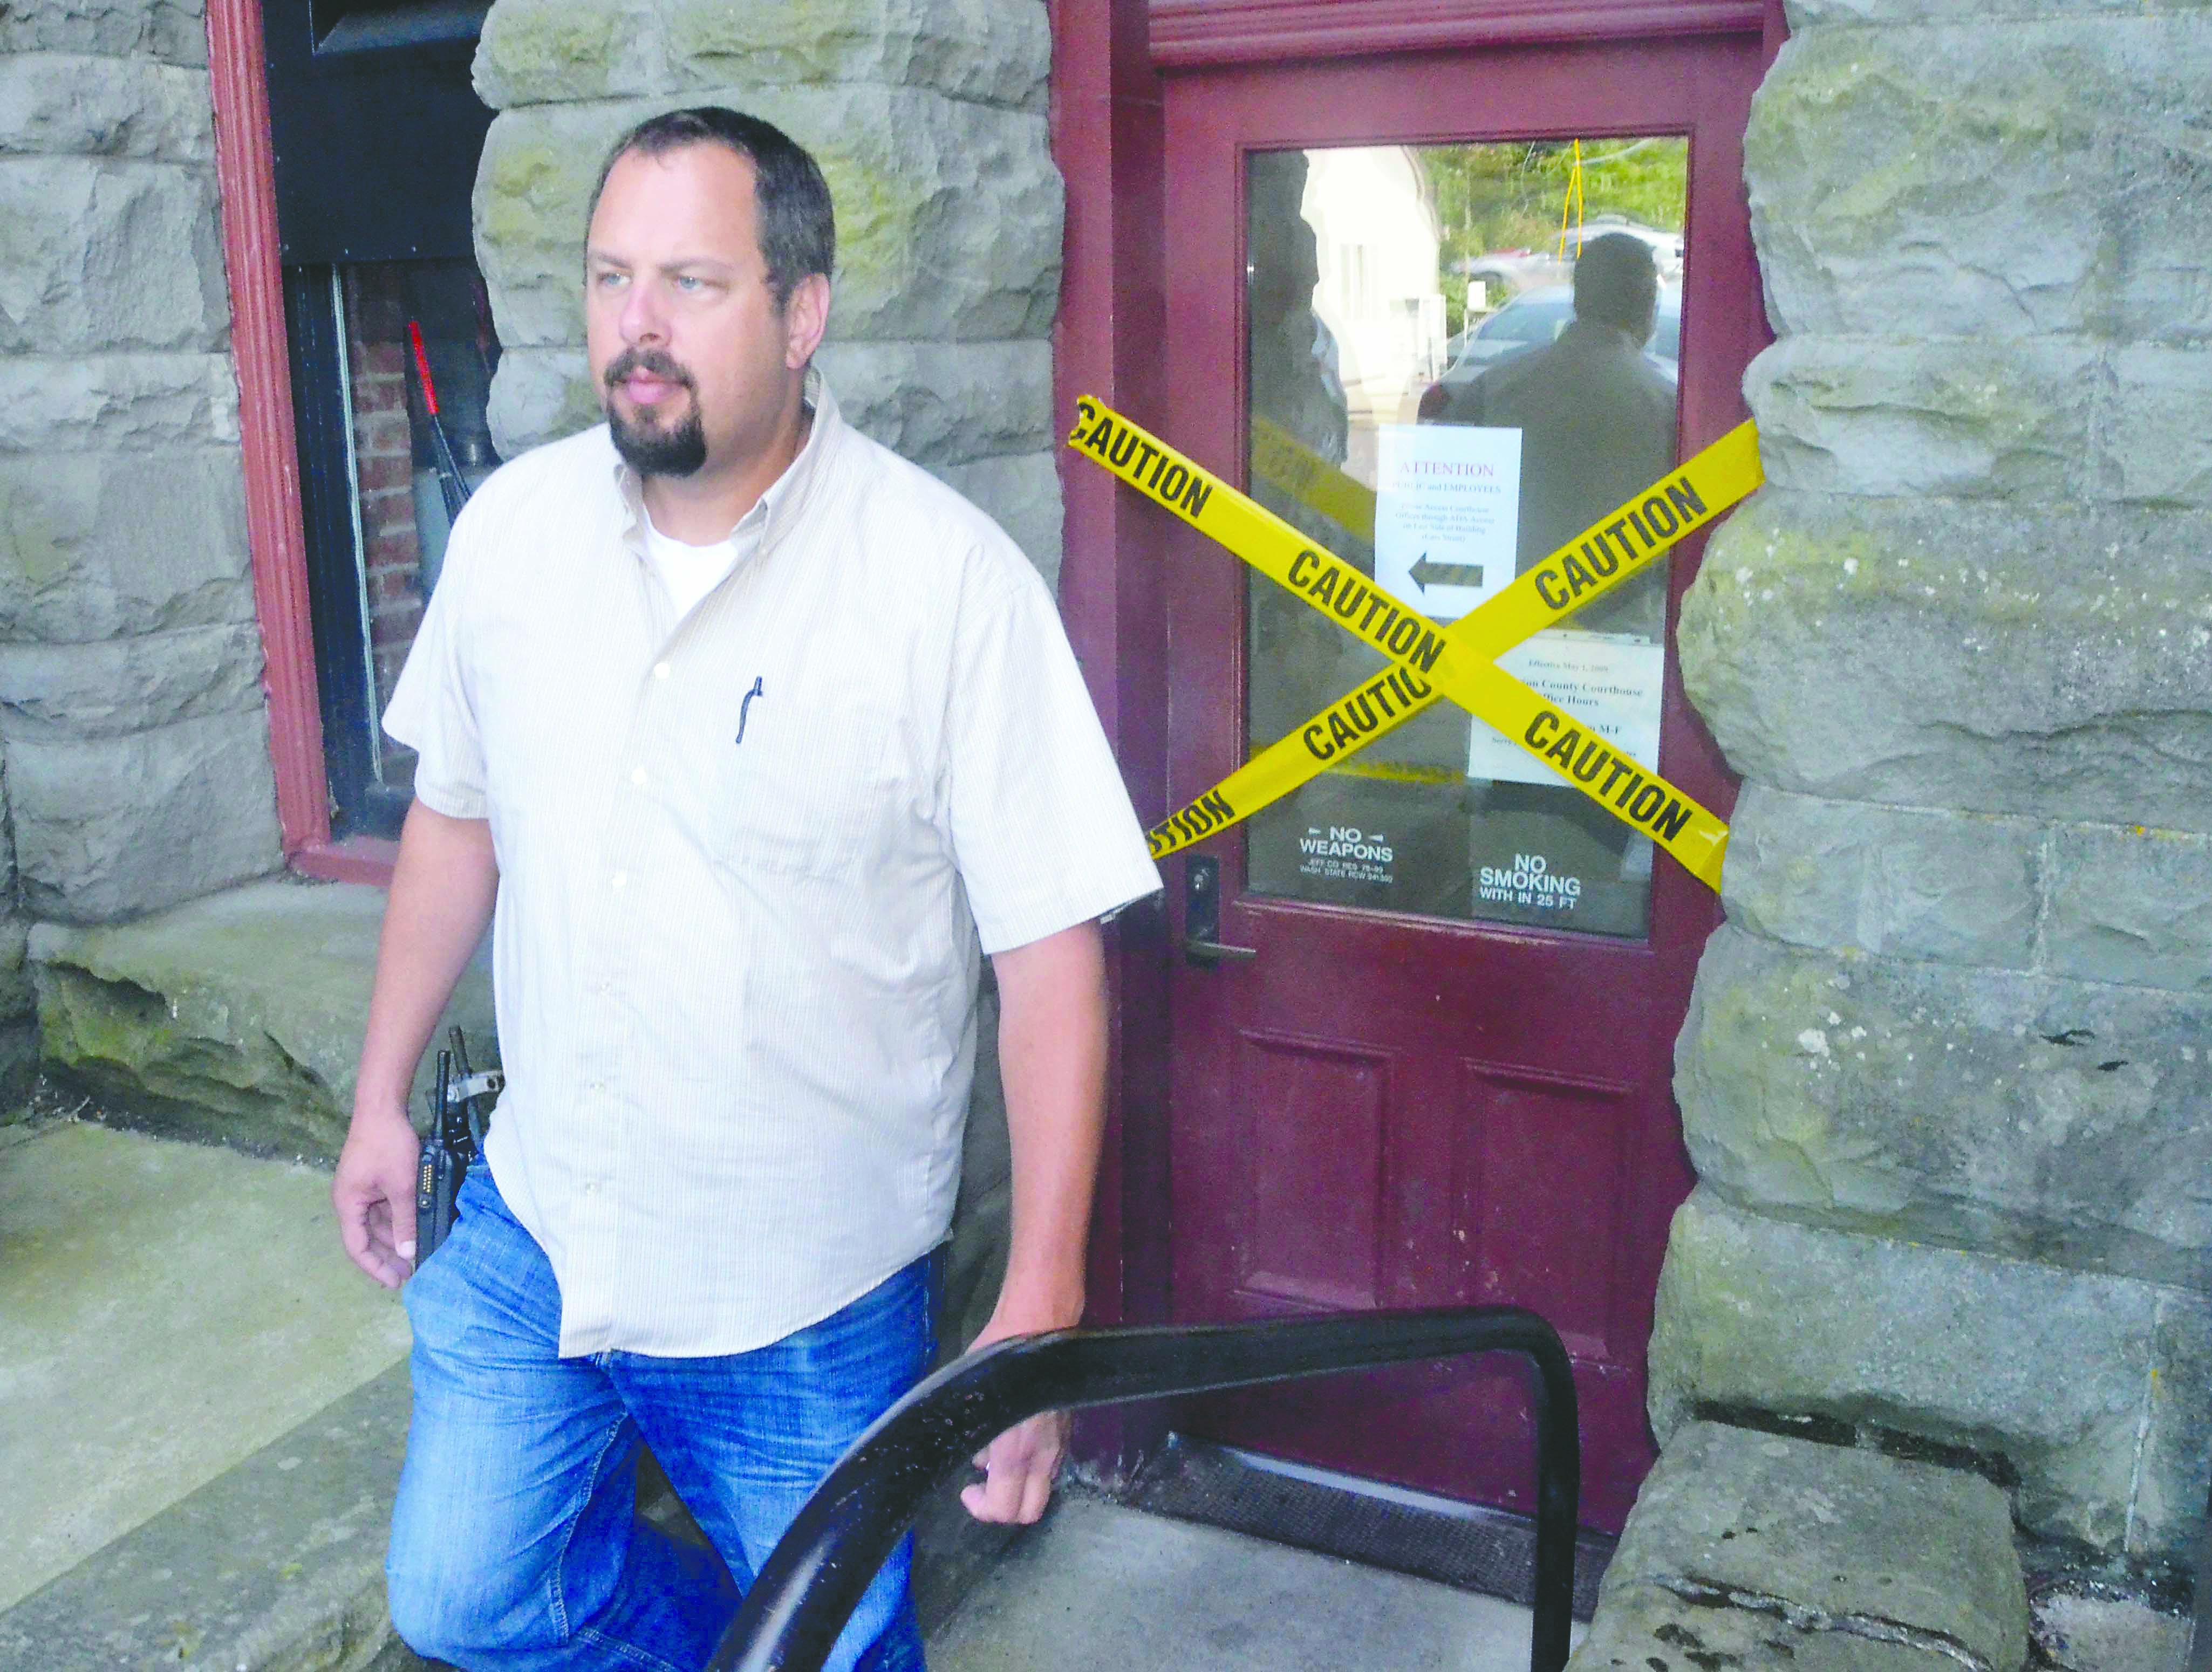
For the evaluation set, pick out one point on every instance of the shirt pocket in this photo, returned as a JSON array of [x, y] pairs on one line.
[[812, 797]]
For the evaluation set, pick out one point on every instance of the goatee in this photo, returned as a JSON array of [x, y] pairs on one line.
[[678, 449]]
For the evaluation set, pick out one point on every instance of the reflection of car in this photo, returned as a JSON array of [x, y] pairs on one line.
[[1666, 247], [1509, 274], [1528, 321], [1505, 274]]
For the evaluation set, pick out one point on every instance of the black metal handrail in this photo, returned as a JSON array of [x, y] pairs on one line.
[[813, 1578]]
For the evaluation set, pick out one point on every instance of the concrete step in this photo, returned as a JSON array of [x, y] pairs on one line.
[[235, 1018], [275, 1566], [166, 1311], [1098, 1587], [202, 1401]]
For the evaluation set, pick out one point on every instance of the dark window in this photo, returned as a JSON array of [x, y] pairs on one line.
[[377, 133]]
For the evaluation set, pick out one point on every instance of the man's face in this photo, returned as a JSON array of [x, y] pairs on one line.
[[694, 363]]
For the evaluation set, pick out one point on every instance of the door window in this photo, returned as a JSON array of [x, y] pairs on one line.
[[1458, 356]]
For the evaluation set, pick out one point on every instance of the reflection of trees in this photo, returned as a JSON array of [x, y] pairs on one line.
[[1507, 197]]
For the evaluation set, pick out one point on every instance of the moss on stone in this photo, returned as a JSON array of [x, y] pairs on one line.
[[548, 46], [235, 1018], [878, 217]]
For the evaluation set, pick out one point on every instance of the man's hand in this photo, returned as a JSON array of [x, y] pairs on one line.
[[1052, 1056], [1019, 1466], [375, 1195], [442, 888]]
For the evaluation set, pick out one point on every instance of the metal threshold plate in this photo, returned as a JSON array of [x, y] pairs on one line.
[[1466, 1545]]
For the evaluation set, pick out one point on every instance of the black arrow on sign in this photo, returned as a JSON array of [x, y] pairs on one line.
[[1445, 574]]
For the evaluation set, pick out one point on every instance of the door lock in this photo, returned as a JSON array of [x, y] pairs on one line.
[[1201, 916]]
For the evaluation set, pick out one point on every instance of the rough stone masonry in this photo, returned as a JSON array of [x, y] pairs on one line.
[[133, 737], [1945, 1079]]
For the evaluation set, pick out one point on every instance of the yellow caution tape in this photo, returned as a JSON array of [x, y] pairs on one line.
[[1429, 662], [1283, 461]]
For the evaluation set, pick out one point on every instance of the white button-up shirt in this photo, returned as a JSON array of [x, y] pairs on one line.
[[750, 860]]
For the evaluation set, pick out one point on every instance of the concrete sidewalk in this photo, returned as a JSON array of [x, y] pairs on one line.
[[1098, 1588], [166, 1311]]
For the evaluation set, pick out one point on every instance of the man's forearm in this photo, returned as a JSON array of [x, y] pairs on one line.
[[1052, 1056], [442, 890]]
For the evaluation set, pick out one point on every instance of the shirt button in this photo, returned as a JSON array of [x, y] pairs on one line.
[[637, 775], [620, 881], [660, 671]]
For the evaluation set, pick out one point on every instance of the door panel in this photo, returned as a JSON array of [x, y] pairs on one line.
[[1524, 1127], [1415, 1094], [1333, 1106]]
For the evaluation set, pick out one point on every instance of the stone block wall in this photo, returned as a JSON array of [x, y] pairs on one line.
[[1945, 1079], [131, 723], [929, 119], [133, 739]]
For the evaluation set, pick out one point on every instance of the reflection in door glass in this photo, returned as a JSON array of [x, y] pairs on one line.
[[1460, 356]]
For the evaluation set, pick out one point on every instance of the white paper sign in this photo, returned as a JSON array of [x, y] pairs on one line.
[[1447, 514], [1607, 680]]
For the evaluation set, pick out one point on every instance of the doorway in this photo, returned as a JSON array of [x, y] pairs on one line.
[[376, 131], [1444, 1075]]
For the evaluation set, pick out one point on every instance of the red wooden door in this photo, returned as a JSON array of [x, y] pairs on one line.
[[1420, 1091]]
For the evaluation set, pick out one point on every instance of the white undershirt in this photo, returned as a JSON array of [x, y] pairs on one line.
[[690, 572]]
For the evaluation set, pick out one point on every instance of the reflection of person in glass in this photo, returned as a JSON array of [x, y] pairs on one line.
[[1596, 417], [1295, 382], [1296, 389], [1597, 424]]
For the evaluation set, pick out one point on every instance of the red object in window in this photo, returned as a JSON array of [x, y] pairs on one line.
[[422, 368]]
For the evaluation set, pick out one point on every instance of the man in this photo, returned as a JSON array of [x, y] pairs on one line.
[[747, 728], [1596, 420]]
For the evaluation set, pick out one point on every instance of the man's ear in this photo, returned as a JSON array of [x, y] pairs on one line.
[[806, 316]]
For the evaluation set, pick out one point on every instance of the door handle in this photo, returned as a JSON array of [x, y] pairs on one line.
[[1201, 916]]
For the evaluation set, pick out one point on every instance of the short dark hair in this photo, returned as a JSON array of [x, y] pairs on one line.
[[797, 223], [1617, 280]]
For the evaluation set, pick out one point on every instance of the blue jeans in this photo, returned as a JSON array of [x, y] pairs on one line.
[[516, 1543]]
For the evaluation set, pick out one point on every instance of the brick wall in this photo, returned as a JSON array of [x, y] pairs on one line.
[[386, 414]]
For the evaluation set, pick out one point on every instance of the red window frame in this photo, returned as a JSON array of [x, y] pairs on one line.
[[275, 538]]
